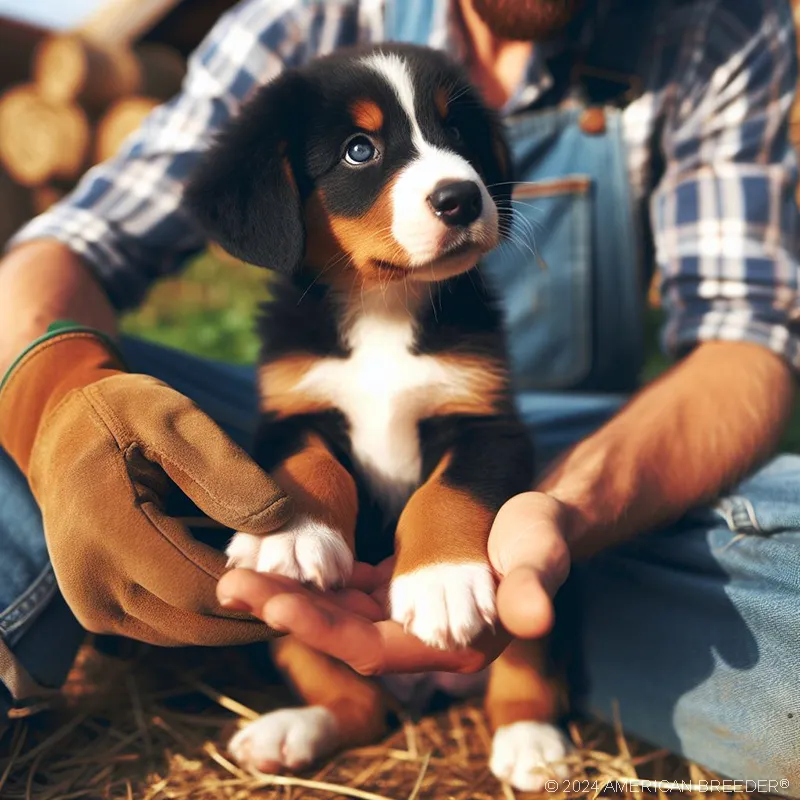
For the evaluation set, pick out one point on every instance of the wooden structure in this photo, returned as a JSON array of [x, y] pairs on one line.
[[70, 99]]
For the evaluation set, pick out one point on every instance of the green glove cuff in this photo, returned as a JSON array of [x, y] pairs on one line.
[[58, 328]]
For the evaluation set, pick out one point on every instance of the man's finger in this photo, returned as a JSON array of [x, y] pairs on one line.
[[528, 550], [523, 604], [527, 533], [371, 649], [365, 577], [341, 634], [246, 590]]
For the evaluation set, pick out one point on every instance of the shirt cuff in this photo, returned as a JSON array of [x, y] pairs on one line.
[[683, 333]]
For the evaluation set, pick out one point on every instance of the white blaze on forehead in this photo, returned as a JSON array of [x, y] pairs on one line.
[[394, 70], [414, 226]]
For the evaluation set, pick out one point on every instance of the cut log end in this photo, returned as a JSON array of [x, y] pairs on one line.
[[41, 140], [71, 68]]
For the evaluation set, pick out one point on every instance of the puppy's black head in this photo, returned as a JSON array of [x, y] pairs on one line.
[[383, 163]]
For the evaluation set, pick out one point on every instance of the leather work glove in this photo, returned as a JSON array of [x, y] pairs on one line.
[[101, 448]]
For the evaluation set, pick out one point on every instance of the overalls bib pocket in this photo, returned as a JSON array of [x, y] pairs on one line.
[[543, 276]]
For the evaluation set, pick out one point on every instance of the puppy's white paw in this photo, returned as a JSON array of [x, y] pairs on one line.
[[445, 605], [528, 754], [242, 550], [291, 737], [303, 549]]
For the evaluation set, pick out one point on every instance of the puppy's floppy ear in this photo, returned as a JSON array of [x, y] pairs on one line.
[[244, 193]]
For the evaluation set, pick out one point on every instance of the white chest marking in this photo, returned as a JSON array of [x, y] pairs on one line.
[[384, 389]]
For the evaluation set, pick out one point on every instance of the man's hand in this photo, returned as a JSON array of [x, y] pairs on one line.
[[526, 548], [101, 448]]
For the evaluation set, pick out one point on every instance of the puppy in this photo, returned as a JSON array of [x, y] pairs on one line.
[[373, 181]]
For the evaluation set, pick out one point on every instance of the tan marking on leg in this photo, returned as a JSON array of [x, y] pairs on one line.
[[278, 386], [367, 115], [359, 704], [321, 487], [441, 525], [521, 687]]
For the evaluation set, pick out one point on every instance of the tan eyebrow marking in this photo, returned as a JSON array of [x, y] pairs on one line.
[[367, 114]]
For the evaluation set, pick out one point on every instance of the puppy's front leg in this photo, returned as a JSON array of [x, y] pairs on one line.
[[317, 544], [443, 589]]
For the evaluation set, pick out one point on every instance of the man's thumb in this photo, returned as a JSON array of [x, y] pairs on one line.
[[528, 551]]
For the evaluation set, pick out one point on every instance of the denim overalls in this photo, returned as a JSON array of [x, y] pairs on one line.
[[692, 633]]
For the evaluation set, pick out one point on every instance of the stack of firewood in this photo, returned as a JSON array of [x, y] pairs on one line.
[[87, 90]]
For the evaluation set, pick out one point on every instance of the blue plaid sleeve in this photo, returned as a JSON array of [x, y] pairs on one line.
[[126, 216], [725, 218]]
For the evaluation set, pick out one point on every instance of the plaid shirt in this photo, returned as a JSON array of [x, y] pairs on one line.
[[709, 156]]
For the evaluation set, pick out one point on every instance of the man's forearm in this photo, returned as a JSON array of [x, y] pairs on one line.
[[679, 442], [39, 283]]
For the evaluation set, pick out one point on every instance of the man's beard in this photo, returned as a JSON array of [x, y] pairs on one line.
[[529, 20]]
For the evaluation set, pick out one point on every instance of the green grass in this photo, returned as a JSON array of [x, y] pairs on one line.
[[209, 311]]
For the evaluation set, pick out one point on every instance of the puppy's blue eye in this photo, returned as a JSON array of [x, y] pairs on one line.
[[359, 151], [453, 133]]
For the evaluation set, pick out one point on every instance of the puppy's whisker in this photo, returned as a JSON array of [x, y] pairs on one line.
[[328, 266], [520, 241], [526, 205], [515, 183]]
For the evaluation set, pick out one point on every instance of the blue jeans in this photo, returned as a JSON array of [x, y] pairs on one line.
[[693, 632]]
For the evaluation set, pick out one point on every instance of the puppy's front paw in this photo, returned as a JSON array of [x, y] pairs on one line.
[[527, 754], [303, 549], [291, 737], [445, 605]]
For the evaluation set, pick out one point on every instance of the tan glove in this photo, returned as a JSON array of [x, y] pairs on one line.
[[100, 448]]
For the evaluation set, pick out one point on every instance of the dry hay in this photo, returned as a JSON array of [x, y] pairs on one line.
[[154, 727]]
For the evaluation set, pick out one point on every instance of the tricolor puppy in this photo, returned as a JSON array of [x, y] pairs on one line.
[[374, 181]]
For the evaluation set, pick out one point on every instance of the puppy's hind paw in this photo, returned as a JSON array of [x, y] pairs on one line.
[[528, 754], [291, 738]]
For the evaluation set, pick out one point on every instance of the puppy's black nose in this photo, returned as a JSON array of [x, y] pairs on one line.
[[456, 203]]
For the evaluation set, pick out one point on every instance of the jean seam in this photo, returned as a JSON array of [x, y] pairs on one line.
[[739, 514], [29, 604]]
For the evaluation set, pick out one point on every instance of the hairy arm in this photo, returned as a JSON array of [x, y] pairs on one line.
[[680, 441], [39, 283]]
